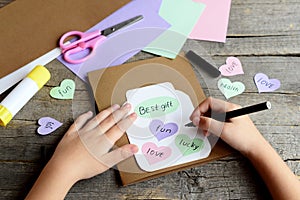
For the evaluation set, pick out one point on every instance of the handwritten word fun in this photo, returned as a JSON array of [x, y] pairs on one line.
[[65, 91]]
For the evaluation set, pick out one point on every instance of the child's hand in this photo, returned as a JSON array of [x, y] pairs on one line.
[[83, 151], [239, 132]]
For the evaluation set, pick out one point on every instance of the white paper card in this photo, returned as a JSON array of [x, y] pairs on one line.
[[159, 130]]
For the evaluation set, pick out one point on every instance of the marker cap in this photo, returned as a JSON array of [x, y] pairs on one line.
[[40, 75], [5, 116]]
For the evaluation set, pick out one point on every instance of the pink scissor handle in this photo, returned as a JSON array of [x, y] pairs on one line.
[[85, 41]]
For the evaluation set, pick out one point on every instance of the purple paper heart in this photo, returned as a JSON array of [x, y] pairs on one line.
[[264, 84], [48, 125], [161, 130]]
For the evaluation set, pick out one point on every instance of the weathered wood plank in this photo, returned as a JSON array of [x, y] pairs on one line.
[[5, 2], [250, 18], [230, 179], [251, 46], [263, 35]]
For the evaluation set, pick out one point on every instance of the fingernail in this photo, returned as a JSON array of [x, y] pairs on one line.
[[205, 133], [127, 106], [134, 149], [115, 107], [134, 114], [195, 113], [196, 121], [89, 112]]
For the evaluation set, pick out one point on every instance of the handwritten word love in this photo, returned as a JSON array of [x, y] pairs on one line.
[[264, 84], [154, 154], [232, 67]]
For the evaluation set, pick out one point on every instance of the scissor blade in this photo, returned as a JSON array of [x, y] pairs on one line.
[[123, 24]]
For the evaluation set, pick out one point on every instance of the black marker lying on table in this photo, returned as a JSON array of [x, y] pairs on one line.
[[235, 113]]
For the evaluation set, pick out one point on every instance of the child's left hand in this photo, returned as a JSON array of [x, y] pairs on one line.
[[83, 151]]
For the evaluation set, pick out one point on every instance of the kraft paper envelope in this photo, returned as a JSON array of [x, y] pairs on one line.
[[110, 85], [31, 28]]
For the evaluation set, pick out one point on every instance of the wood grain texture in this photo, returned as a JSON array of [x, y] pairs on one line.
[[264, 35]]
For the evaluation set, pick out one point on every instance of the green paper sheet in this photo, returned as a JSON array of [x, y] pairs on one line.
[[183, 16]]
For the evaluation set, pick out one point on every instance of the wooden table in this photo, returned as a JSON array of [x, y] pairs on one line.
[[264, 35]]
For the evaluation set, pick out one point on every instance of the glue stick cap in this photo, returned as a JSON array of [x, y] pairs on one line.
[[40, 75], [5, 116]]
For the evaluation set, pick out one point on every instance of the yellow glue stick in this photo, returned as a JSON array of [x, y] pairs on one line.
[[22, 93]]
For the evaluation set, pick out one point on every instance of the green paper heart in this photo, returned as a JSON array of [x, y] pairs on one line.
[[66, 90], [230, 89], [188, 146]]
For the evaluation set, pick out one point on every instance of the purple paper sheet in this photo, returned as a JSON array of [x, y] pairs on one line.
[[125, 43]]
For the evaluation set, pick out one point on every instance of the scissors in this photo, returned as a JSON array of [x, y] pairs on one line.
[[89, 40]]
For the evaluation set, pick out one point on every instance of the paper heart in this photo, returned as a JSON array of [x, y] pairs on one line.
[[187, 145], [48, 125], [66, 90], [154, 154], [161, 130], [232, 67], [230, 89], [264, 84]]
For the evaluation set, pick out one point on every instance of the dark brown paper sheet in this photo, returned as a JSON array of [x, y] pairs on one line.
[[31, 28], [110, 85]]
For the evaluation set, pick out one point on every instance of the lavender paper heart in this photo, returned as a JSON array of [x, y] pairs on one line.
[[161, 130], [48, 125], [264, 84]]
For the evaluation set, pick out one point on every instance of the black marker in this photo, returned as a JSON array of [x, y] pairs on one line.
[[235, 113], [203, 64]]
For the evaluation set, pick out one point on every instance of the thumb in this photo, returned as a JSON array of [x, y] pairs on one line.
[[211, 125]]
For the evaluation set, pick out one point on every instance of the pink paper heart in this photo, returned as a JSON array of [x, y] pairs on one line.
[[48, 125], [161, 130], [154, 154], [264, 84], [232, 67]]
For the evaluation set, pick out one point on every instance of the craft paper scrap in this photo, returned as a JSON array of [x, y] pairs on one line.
[[126, 42], [232, 67], [31, 28], [11, 79], [264, 84], [182, 15], [66, 90], [212, 24], [159, 130], [48, 125], [230, 89]]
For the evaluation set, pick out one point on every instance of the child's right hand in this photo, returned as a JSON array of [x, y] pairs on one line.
[[239, 132]]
